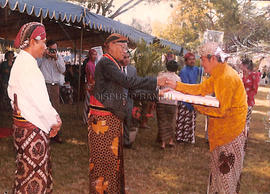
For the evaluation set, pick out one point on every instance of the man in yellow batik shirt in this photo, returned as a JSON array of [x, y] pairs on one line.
[[227, 135]]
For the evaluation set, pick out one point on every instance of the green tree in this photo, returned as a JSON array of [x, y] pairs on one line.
[[245, 26], [188, 20], [148, 58]]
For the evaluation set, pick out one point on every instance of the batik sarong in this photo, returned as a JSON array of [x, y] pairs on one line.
[[166, 121], [33, 167], [226, 163], [86, 104], [185, 124], [248, 119], [106, 167]]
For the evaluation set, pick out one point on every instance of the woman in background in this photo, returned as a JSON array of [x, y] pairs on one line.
[[90, 78], [166, 110], [251, 81]]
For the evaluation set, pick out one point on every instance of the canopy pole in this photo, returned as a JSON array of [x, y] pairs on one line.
[[75, 52], [80, 64], [41, 19]]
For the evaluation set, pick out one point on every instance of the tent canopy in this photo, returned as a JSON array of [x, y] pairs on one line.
[[64, 21]]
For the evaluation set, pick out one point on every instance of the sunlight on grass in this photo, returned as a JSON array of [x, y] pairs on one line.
[[259, 136], [264, 89], [259, 112], [262, 102], [261, 168], [165, 175], [75, 142], [148, 170]]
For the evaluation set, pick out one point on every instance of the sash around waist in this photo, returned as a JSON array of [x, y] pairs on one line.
[[22, 122]]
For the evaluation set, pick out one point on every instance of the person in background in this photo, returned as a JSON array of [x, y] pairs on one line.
[[108, 109], [251, 81], [226, 129], [186, 119], [52, 66], [66, 91], [130, 71], [166, 110], [5, 68], [34, 118], [90, 78]]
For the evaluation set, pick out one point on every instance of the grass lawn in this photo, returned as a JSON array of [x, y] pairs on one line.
[[148, 169]]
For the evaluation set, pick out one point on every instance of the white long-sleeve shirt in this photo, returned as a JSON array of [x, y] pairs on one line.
[[27, 81], [52, 69]]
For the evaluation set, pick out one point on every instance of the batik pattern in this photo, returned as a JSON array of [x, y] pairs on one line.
[[166, 122], [33, 168], [185, 124], [249, 112], [226, 163], [106, 167]]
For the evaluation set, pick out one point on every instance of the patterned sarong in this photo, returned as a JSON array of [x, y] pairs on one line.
[[185, 124], [166, 121], [248, 119], [226, 163], [106, 167], [86, 106], [33, 173]]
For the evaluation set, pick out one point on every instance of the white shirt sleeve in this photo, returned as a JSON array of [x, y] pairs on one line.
[[28, 83], [60, 64]]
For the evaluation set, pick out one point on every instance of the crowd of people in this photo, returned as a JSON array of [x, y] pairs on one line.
[[112, 85]]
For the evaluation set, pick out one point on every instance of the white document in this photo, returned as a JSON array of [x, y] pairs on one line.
[[202, 100]]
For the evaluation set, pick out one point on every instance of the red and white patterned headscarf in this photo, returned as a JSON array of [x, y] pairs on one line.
[[32, 30], [212, 48]]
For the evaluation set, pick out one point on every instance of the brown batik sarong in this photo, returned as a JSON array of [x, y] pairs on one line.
[[33, 168], [166, 121], [226, 163], [106, 167], [185, 124]]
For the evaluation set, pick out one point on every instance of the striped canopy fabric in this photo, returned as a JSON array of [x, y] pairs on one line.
[[70, 13]]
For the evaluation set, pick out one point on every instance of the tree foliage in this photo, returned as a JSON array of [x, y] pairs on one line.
[[148, 58], [245, 26]]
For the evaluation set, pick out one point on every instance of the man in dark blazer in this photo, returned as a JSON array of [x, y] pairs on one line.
[[108, 109], [130, 71]]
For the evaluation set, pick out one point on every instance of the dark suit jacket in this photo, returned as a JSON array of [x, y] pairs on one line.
[[110, 82], [131, 72]]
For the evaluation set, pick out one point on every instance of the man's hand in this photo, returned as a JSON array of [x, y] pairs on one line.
[[163, 91], [161, 80], [56, 127], [171, 83], [16, 109], [52, 55]]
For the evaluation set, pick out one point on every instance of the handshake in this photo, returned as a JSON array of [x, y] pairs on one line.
[[168, 83]]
